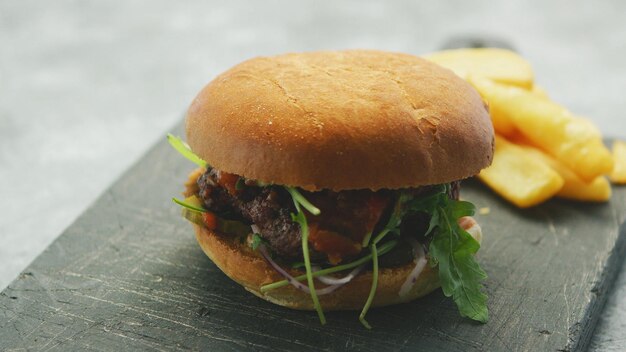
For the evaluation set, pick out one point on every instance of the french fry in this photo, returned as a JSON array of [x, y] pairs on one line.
[[503, 66], [575, 188], [570, 139], [541, 148], [540, 92], [496, 96], [619, 155], [519, 177]]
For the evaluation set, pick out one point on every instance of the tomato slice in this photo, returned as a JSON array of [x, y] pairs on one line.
[[228, 181], [210, 220], [333, 244]]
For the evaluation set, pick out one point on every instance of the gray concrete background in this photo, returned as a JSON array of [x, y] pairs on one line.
[[86, 87]]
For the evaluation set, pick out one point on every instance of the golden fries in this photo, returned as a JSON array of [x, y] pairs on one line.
[[572, 140], [519, 177], [540, 92], [499, 65], [497, 97], [575, 188], [542, 150], [619, 154]]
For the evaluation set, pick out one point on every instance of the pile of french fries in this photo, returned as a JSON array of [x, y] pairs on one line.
[[542, 149]]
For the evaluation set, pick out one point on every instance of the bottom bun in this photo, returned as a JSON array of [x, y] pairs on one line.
[[245, 266]]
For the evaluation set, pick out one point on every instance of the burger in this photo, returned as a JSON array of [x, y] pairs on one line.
[[330, 180]]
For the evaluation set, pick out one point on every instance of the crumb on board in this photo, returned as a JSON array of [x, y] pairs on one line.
[[484, 211]]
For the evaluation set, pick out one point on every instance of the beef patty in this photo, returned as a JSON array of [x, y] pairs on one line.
[[346, 216]]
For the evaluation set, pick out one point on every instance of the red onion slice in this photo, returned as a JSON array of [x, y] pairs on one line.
[[420, 263], [333, 283], [470, 225], [297, 284], [329, 280]]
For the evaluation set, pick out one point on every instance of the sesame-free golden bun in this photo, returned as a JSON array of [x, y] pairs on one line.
[[339, 120]]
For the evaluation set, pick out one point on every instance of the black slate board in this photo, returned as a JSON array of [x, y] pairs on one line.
[[128, 275]]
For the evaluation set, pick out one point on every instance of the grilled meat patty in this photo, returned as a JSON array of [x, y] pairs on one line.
[[337, 233]]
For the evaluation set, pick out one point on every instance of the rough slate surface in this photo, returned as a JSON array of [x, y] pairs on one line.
[[129, 275]]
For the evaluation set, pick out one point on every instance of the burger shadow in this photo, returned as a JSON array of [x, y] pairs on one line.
[[399, 327]]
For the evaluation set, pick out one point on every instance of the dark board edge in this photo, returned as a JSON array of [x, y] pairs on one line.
[[580, 333]]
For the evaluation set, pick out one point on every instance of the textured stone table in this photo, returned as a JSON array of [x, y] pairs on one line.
[[86, 87]]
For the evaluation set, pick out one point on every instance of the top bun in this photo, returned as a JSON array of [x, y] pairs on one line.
[[339, 120]]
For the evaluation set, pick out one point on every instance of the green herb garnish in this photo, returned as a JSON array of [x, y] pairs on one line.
[[300, 218], [392, 227], [453, 249], [256, 241], [184, 149], [366, 239], [193, 211], [298, 199], [189, 205], [384, 248], [241, 182], [373, 288], [297, 265]]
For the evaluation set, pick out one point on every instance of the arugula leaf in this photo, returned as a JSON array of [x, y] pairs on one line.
[[461, 208], [460, 275], [453, 249], [184, 149]]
